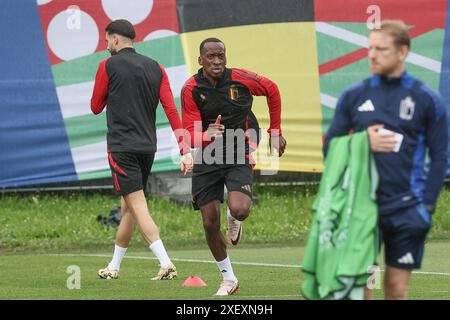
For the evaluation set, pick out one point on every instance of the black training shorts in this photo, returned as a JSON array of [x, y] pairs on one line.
[[403, 234], [208, 181], [130, 171]]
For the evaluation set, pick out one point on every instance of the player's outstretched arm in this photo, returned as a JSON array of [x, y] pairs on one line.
[[262, 86]]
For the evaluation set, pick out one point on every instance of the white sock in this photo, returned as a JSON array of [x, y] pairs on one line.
[[158, 249], [229, 213], [229, 216], [226, 269], [119, 252]]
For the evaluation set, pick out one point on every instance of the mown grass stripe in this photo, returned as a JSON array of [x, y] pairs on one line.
[[245, 263]]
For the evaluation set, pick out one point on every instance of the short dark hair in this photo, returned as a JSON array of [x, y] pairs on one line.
[[122, 27], [202, 45]]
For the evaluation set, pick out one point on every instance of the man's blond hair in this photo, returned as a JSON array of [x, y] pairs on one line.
[[396, 29]]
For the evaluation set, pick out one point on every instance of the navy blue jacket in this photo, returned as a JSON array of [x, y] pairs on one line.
[[407, 106]]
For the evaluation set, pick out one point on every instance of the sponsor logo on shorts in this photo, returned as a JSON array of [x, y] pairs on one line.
[[406, 259]]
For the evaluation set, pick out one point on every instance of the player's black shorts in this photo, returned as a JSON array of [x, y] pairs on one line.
[[403, 234], [208, 181], [130, 171]]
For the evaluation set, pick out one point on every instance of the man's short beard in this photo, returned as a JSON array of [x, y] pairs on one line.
[[387, 71]]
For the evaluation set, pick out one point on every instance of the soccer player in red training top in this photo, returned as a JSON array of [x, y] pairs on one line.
[[131, 85], [216, 106]]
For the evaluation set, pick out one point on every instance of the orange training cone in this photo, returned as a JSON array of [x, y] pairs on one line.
[[194, 281]]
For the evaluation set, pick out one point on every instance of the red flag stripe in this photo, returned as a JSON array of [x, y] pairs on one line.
[[359, 54]]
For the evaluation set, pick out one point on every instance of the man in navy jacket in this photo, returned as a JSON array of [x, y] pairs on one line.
[[404, 119]]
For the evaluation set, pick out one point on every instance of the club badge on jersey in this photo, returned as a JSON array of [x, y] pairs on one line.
[[407, 106], [234, 93]]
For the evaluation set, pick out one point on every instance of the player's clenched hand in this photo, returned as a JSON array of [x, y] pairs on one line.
[[216, 129], [278, 143], [378, 142], [186, 163]]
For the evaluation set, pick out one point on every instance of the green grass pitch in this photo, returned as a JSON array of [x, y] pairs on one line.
[[264, 273]]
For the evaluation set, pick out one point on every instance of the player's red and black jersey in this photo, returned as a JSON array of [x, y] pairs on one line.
[[131, 85], [232, 98]]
